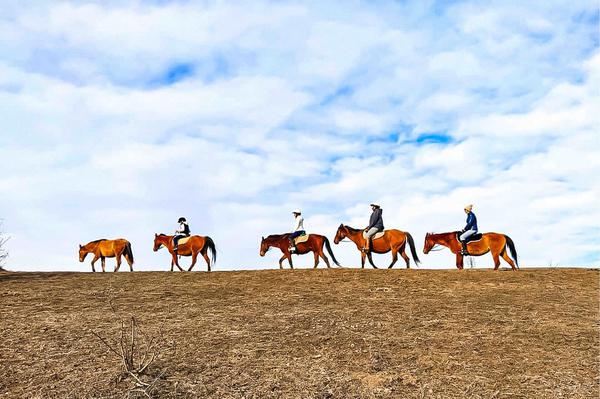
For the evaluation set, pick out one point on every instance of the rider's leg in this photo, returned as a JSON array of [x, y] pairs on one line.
[[293, 236], [175, 241], [369, 234], [463, 237]]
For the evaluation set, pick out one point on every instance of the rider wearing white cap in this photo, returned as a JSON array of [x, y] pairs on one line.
[[298, 229], [470, 229], [375, 225]]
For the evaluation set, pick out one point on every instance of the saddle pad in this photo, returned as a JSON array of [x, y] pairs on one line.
[[301, 239], [376, 236], [183, 240]]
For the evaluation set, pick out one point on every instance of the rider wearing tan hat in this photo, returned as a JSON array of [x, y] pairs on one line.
[[470, 228]]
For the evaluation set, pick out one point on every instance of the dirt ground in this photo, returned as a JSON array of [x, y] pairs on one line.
[[307, 333]]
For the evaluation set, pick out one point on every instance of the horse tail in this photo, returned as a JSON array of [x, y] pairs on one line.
[[328, 246], [129, 252], [211, 245], [413, 250], [513, 252]]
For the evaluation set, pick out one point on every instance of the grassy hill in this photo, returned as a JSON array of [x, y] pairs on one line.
[[305, 333]]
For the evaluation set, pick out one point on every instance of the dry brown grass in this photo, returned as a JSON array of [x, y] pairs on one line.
[[309, 334]]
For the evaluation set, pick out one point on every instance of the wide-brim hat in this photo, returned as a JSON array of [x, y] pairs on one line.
[[298, 211]]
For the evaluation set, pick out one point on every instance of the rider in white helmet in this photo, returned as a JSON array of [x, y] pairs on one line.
[[298, 229]]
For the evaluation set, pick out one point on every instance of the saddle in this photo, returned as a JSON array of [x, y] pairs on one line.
[[301, 239], [474, 237], [183, 240], [376, 236]]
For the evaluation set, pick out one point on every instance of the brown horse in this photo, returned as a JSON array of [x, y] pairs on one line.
[[494, 242], [392, 240], [314, 244], [196, 245], [103, 249]]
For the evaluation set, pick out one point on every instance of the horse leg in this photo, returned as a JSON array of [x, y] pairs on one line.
[[94, 261], [362, 259], [206, 258], [103, 262], [129, 262], [322, 254], [281, 261], [371, 260], [118, 266], [316, 259], [394, 257], [508, 260], [406, 258], [459, 261], [496, 260], [289, 256], [176, 262], [194, 256]]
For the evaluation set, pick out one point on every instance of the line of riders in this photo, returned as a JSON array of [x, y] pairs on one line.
[[372, 239]]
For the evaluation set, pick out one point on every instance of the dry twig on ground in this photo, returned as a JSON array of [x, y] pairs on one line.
[[3, 251], [137, 352]]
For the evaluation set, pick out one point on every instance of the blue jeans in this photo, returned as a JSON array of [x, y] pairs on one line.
[[297, 234], [177, 238]]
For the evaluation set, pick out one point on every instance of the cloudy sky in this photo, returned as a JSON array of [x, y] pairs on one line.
[[117, 118]]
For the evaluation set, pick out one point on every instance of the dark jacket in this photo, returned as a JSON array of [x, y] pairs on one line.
[[184, 229], [376, 219], [471, 222]]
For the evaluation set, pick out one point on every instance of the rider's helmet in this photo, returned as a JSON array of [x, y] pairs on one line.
[[376, 205], [297, 212], [181, 220], [469, 207]]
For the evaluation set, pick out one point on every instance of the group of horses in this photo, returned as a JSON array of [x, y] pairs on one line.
[[394, 241]]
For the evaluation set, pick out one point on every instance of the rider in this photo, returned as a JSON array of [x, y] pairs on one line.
[[298, 229], [183, 231], [375, 225], [470, 228]]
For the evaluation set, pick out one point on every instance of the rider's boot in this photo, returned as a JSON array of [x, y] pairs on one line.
[[367, 247], [464, 248]]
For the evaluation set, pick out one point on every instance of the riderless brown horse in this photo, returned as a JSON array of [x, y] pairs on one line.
[[194, 246], [314, 243], [489, 242], [392, 240], [103, 249]]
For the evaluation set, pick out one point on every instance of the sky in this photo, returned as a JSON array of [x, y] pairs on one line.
[[117, 118]]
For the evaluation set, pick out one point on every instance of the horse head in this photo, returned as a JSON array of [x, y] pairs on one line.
[[82, 253], [264, 247], [429, 243], [340, 234], [158, 242]]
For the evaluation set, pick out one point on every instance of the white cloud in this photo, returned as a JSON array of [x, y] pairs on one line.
[[297, 106]]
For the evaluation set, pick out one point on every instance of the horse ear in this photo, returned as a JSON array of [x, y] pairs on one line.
[[262, 238], [80, 246], [155, 235]]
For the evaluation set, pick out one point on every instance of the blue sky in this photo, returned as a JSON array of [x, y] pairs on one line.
[[119, 117]]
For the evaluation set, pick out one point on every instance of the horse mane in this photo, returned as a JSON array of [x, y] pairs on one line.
[[352, 229], [97, 241], [276, 236]]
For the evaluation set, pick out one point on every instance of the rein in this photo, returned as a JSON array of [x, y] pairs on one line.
[[437, 247]]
